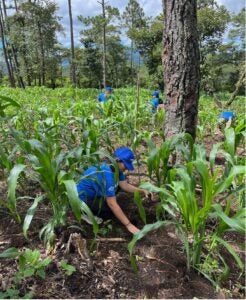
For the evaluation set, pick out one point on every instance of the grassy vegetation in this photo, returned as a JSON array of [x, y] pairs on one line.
[[50, 136]]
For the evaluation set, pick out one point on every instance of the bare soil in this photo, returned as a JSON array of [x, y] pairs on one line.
[[106, 273]]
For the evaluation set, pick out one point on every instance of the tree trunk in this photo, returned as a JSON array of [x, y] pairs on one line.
[[104, 44], [239, 83], [42, 59], [13, 49], [181, 66], [73, 71], [5, 52]]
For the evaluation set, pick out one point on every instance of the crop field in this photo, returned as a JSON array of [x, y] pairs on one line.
[[192, 238]]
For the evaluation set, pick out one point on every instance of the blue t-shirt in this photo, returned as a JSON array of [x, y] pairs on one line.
[[154, 103], [102, 97], [227, 115], [99, 182]]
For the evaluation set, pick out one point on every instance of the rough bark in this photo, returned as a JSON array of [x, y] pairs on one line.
[[181, 66]]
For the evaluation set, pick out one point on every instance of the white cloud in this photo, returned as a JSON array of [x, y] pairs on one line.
[[92, 7], [233, 6]]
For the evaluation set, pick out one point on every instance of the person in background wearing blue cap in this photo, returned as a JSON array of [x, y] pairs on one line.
[[225, 120], [156, 101], [103, 97], [98, 188]]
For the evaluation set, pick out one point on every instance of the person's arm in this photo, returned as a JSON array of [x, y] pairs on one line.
[[118, 212], [127, 187], [228, 123]]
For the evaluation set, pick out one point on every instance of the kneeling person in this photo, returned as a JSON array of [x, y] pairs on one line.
[[98, 188]]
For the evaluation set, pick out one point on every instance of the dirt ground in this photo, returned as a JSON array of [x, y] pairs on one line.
[[103, 268], [106, 272]]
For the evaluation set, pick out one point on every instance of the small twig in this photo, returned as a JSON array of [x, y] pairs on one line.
[[111, 240], [161, 261]]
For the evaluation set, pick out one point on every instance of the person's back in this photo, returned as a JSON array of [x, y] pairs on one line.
[[98, 182], [103, 97], [156, 101], [227, 115], [225, 120]]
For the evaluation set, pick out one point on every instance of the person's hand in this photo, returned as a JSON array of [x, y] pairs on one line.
[[228, 123], [133, 229], [148, 195]]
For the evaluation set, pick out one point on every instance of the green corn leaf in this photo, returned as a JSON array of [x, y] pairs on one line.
[[9, 101], [146, 229], [231, 250], [48, 233], [200, 153], [85, 208], [4, 159], [152, 165], [236, 223], [223, 185], [12, 183], [229, 143], [73, 197], [30, 213], [138, 201]]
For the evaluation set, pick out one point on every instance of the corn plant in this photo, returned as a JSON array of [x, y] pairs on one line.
[[47, 165], [6, 102], [227, 221], [180, 197], [158, 159], [11, 203]]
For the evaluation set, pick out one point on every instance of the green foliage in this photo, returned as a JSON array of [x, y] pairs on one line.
[[12, 183], [6, 102], [138, 201], [69, 269], [30, 264], [14, 294], [179, 196], [57, 134]]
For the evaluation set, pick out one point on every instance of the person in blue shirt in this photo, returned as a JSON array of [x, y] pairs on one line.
[[103, 97], [156, 101], [99, 185], [225, 119]]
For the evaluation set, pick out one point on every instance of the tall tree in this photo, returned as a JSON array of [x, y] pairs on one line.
[[93, 36], [5, 50], [181, 66], [33, 32], [134, 20], [104, 24], [73, 71]]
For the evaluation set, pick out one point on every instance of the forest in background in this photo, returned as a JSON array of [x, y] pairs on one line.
[[32, 56]]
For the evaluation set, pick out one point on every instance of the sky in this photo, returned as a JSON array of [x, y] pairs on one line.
[[91, 8]]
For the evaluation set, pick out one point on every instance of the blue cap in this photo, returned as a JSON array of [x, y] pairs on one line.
[[156, 94], [127, 156], [227, 115], [108, 88]]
